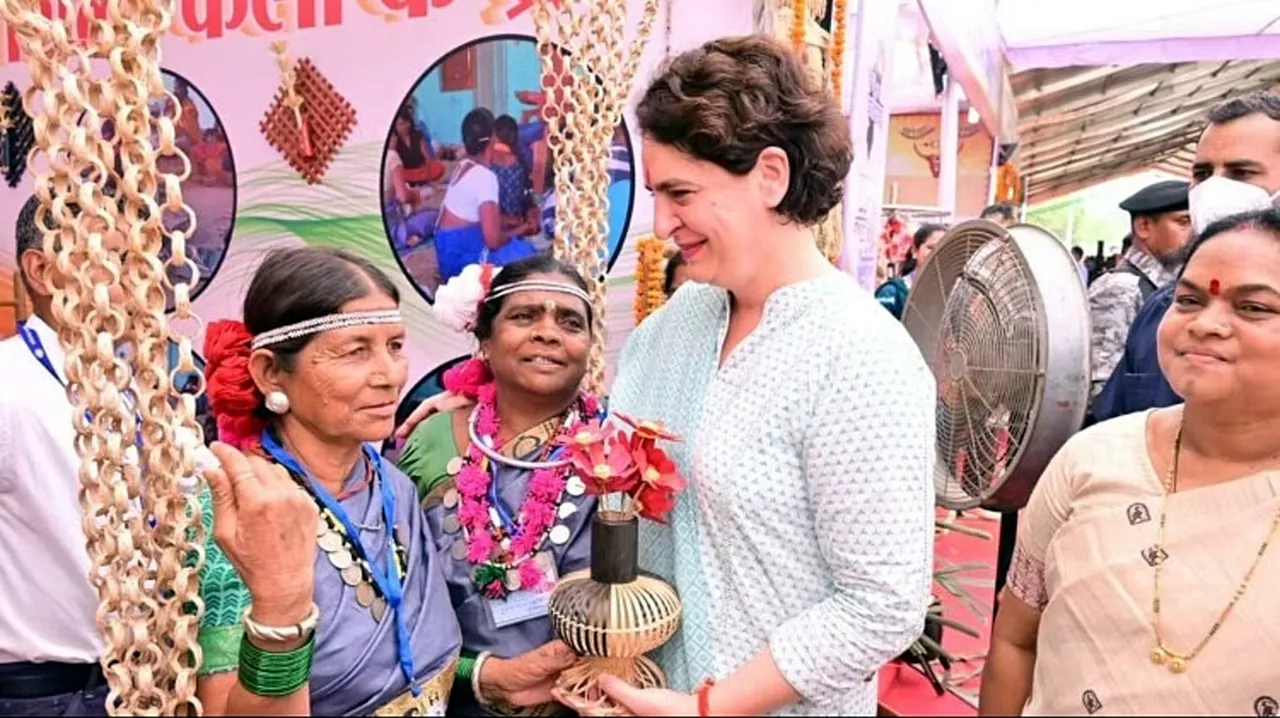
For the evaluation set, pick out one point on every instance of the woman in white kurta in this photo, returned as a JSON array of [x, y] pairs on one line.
[[802, 549]]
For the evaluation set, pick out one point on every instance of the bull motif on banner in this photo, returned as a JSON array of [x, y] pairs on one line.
[[925, 143]]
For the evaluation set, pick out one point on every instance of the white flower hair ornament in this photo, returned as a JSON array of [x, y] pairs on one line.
[[458, 301]]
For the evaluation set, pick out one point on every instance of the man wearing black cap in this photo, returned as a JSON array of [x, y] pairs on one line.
[[1160, 229]]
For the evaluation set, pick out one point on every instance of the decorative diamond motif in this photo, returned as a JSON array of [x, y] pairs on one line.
[[327, 117], [17, 138]]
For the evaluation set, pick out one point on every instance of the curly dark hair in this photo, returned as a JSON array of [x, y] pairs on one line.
[[732, 98]]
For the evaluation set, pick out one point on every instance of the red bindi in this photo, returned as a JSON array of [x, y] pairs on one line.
[[1214, 287]]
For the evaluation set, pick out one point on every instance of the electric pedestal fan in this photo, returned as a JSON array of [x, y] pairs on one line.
[[1002, 318]]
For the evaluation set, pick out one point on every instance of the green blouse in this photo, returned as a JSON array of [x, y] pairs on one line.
[[225, 599], [426, 456]]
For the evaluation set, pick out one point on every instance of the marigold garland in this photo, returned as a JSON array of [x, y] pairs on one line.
[[799, 23], [1008, 184], [651, 264], [838, 30]]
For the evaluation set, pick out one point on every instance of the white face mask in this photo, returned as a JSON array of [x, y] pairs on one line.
[[1219, 197]]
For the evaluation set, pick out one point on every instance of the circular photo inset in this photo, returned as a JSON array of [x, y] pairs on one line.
[[189, 383], [427, 387], [210, 190], [467, 174]]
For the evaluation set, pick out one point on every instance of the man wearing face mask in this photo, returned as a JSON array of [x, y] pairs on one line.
[[1237, 169], [1160, 230]]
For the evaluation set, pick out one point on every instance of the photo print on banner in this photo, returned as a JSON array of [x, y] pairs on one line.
[[427, 387], [210, 189], [467, 174]]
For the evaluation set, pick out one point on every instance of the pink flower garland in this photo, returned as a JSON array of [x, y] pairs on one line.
[[536, 515]]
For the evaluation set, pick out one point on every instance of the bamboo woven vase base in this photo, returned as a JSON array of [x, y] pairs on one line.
[[581, 680], [611, 615]]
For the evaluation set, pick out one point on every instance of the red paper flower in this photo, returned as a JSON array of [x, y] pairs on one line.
[[657, 480], [586, 433], [653, 503], [233, 397], [605, 465], [648, 429]]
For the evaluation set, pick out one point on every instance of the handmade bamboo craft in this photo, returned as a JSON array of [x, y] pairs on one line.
[[612, 614]]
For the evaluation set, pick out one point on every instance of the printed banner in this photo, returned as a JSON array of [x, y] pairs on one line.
[[911, 176], [427, 80]]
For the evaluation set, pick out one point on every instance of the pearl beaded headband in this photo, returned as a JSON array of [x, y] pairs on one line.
[[538, 285], [341, 320]]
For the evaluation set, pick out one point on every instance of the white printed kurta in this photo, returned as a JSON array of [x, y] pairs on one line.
[[808, 524]]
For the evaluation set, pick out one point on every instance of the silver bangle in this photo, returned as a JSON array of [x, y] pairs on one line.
[[274, 634], [475, 678]]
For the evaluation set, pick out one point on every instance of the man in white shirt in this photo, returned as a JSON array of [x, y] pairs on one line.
[[49, 641]]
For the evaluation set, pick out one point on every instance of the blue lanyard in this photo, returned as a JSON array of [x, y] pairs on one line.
[[508, 522], [36, 347], [386, 578]]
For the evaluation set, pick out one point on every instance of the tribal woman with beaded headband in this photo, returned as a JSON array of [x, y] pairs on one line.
[[507, 517], [302, 390]]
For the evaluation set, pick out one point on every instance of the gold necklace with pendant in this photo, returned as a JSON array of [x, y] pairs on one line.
[[1161, 655]]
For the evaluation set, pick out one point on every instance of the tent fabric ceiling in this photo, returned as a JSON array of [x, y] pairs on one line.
[[1040, 34], [1080, 126]]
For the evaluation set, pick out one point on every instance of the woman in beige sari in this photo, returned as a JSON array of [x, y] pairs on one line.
[[1142, 583]]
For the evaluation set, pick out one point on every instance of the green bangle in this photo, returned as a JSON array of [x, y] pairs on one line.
[[466, 665], [275, 674]]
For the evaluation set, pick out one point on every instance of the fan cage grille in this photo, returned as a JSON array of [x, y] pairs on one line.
[[974, 312]]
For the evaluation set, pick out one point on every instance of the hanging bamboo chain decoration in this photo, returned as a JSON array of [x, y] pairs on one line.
[[5, 124], [98, 184], [587, 72]]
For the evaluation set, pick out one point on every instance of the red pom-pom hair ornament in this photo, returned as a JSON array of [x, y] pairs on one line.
[[233, 397], [466, 377]]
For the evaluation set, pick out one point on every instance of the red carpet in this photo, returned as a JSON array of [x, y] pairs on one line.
[[904, 691]]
